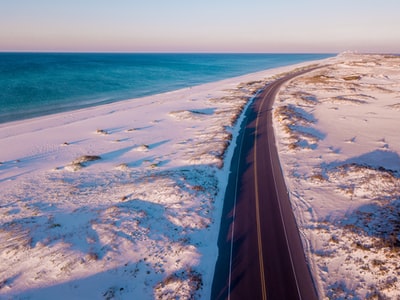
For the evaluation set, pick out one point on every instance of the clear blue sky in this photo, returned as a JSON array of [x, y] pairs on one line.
[[200, 25]]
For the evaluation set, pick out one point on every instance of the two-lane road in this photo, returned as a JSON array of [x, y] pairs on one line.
[[260, 251]]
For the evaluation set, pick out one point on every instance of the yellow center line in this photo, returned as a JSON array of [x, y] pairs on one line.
[[259, 240]]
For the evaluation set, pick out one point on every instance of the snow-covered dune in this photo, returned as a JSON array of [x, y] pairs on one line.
[[339, 144]]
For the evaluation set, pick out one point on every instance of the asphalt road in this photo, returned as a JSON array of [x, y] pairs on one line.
[[260, 251]]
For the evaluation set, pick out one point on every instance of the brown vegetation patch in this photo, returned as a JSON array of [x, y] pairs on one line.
[[320, 78], [352, 77]]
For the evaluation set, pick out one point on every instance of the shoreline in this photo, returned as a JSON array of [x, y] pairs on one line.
[[110, 78], [164, 186], [210, 85]]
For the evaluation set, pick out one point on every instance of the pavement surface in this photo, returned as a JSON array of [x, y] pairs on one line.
[[261, 255]]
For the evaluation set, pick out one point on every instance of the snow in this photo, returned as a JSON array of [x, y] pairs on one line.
[[339, 147], [120, 201], [123, 201]]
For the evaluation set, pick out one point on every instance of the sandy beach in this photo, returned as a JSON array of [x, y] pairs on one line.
[[123, 201]]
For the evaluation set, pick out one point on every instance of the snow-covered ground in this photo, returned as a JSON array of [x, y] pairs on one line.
[[339, 144], [121, 201]]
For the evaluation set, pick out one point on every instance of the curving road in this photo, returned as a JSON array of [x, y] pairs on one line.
[[261, 255]]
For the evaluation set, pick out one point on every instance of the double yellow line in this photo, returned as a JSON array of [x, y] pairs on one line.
[[271, 90]]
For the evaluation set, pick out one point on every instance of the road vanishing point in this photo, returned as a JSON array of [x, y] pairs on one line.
[[261, 255]]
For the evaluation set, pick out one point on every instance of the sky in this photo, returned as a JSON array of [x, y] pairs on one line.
[[324, 26]]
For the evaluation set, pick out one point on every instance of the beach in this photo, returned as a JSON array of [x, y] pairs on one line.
[[124, 200]]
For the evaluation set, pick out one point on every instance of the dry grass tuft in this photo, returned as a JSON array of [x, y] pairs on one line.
[[175, 285], [102, 131], [81, 162]]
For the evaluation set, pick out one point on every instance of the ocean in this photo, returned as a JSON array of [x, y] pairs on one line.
[[36, 84]]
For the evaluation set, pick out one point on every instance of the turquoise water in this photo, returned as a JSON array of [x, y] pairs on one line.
[[35, 84]]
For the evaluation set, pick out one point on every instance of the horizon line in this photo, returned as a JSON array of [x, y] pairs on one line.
[[166, 52]]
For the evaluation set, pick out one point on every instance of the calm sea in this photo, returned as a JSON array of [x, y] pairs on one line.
[[35, 84]]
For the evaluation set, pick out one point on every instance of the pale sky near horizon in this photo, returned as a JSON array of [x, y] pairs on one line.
[[200, 26]]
